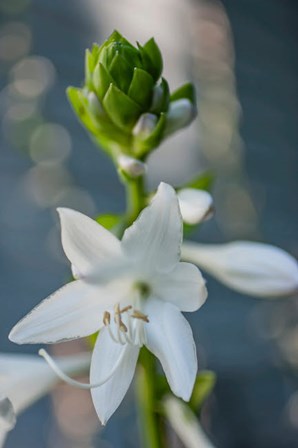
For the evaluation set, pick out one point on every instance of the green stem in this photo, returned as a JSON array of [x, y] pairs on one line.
[[135, 197], [146, 401], [146, 377]]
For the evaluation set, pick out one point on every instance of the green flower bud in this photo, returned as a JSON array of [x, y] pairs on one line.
[[125, 103]]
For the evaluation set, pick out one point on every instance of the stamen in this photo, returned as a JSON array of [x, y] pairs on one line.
[[117, 309], [129, 332], [138, 315], [126, 308], [112, 334], [54, 366], [122, 327], [119, 336]]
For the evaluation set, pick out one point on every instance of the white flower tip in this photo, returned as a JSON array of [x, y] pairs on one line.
[[65, 210], [13, 335], [186, 397], [165, 189], [103, 421], [7, 414], [145, 125], [180, 114], [20, 333], [131, 166], [195, 205]]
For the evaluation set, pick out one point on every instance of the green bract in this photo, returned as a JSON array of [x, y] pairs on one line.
[[124, 103]]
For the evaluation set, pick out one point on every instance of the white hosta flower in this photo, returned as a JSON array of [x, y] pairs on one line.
[[133, 291], [251, 268], [195, 205], [26, 378]]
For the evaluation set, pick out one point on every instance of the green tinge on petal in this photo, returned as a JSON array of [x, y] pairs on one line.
[[122, 110], [101, 80], [186, 91], [153, 62], [140, 89], [121, 72]]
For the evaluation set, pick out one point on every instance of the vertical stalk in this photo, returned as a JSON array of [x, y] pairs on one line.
[[135, 198], [150, 430], [149, 423]]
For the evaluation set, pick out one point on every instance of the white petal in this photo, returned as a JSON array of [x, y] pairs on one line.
[[85, 242], [106, 353], [26, 378], [195, 205], [184, 286], [252, 268], [155, 237], [7, 414], [74, 311], [170, 338]]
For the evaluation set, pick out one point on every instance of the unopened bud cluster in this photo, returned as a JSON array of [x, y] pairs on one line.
[[125, 103]]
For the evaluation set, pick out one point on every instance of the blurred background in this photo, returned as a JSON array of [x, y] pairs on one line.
[[243, 58]]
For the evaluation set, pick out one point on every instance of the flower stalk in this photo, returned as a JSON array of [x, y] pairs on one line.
[[145, 383], [146, 397]]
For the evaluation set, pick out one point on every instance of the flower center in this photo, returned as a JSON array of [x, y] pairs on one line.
[[143, 289], [126, 325]]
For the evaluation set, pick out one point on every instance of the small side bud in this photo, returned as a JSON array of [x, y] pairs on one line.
[[132, 167], [196, 206], [180, 114], [145, 125]]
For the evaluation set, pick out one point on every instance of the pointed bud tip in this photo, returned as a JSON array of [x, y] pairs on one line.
[[166, 189]]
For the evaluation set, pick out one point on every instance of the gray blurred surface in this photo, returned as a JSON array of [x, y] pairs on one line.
[[249, 407]]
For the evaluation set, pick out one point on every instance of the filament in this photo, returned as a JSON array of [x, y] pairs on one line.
[[54, 366]]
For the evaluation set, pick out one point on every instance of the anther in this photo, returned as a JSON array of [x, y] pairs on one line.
[[138, 315], [126, 308], [106, 318], [122, 327], [117, 308]]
